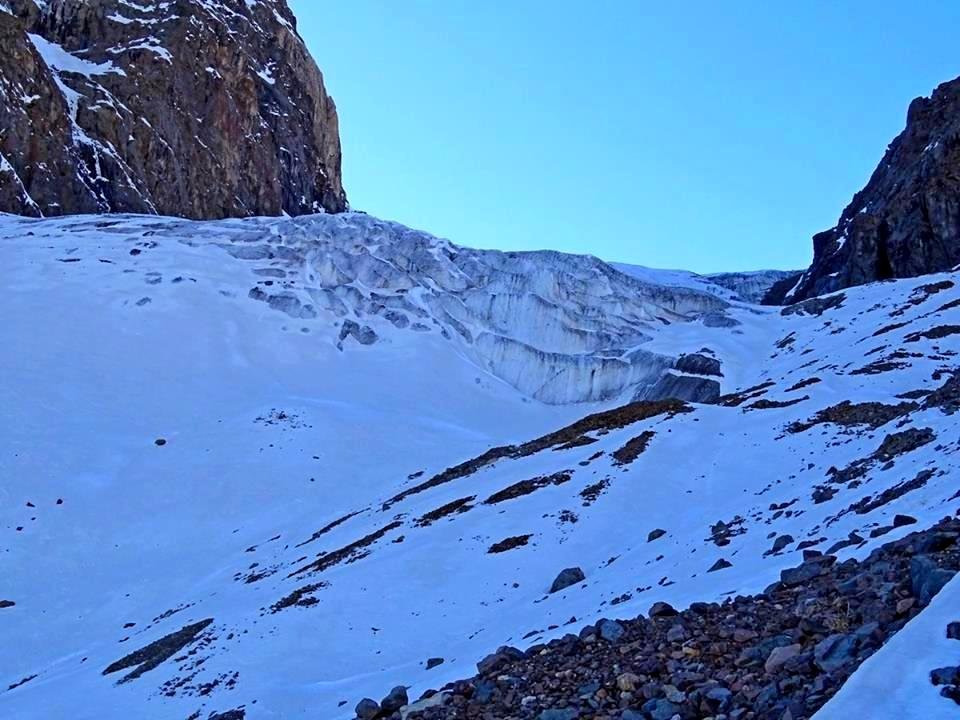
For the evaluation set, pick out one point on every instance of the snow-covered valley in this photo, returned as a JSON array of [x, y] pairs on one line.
[[268, 443]]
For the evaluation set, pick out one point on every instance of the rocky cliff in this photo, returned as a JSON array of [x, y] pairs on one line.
[[906, 221], [198, 109]]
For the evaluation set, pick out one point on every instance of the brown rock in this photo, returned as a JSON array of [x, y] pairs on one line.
[[221, 112]]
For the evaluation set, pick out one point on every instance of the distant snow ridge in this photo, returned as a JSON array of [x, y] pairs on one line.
[[750, 286], [559, 328]]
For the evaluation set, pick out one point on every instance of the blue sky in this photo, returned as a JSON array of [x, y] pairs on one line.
[[707, 136]]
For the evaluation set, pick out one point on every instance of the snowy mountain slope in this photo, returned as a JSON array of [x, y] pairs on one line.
[[895, 683], [297, 540]]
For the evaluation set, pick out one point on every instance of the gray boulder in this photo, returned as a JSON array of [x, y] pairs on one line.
[[566, 578], [926, 578], [610, 630], [835, 651]]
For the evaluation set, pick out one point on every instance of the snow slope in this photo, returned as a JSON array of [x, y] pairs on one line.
[[298, 527]]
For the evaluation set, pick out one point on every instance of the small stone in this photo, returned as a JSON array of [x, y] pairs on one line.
[[742, 635], [367, 709], [433, 662], [160, 442], [655, 534], [953, 631], [901, 520], [720, 564], [905, 604], [677, 633], [778, 656], [671, 693], [627, 682], [566, 578]]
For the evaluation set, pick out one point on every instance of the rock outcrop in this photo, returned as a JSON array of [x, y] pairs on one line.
[[196, 109], [906, 221]]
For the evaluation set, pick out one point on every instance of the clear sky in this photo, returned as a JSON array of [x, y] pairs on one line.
[[704, 135]]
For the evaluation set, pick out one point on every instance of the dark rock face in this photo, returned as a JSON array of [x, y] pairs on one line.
[[698, 364], [682, 387], [201, 110], [906, 221]]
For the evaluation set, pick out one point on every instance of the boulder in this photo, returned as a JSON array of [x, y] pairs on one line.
[[566, 578], [780, 655], [610, 630], [394, 700], [662, 609], [367, 709], [807, 571], [835, 651], [926, 578]]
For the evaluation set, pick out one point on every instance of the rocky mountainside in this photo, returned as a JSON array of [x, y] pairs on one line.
[[906, 221], [207, 109]]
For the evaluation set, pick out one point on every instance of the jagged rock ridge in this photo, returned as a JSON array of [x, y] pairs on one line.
[[197, 109], [906, 221]]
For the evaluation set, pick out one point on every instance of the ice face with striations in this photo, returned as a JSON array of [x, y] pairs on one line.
[[559, 328]]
